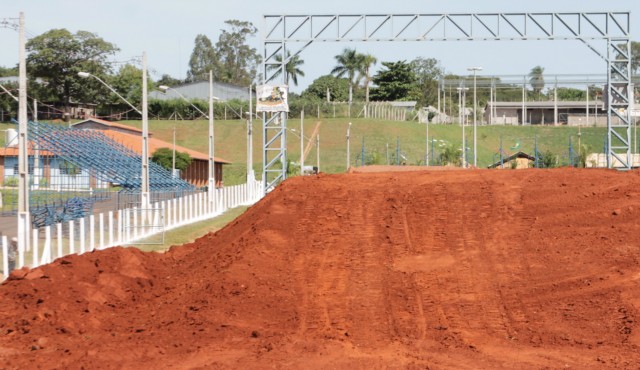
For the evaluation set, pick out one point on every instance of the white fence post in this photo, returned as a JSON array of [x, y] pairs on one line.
[[181, 210], [34, 250], [110, 228], [83, 238], [5, 256], [102, 231], [92, 232], [135, 222], [120, 215], [59, 235], [72, 237], [46, 254]]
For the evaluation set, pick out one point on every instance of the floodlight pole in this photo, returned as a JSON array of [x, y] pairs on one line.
[[144, 194], [348, 146], [475, 125], [211, 167], [301, 143], [23, 158], [251, 176]]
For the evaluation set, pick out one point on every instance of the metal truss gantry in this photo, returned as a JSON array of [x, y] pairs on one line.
[[605, 33]]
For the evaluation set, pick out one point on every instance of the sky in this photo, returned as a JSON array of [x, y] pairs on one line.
[[166, 30]]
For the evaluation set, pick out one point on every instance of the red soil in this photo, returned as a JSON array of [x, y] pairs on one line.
[[443, 270]]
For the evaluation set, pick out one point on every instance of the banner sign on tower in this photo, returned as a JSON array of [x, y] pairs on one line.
[[272, 98]]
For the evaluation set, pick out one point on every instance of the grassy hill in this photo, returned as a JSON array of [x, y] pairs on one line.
[[230, 140]]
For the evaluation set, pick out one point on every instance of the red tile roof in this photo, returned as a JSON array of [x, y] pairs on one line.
[[108, 124], [135, 143]]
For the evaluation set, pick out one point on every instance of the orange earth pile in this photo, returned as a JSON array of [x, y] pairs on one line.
[[437, 269]]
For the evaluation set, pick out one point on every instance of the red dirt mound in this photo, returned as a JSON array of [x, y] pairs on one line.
[[443, 270]]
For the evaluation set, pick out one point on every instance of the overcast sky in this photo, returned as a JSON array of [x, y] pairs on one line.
[[166, 30]]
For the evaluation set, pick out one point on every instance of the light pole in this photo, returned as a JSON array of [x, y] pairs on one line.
[[475, 106], [348, 146], [144, 186], [249, 147], [301, 143], [23, 159], [461, 98]]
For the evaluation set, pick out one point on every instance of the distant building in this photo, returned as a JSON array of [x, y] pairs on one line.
[[196, 174], [572, 113], [200, 90], [517, 161]]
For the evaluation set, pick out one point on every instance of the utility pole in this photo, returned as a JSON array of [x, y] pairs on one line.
[[211, 167], [145, 199], [475, 125], [302, 143], [173, 163], [23, 158]]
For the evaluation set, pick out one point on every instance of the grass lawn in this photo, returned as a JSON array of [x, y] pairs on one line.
[[231, 142], [187, 234]]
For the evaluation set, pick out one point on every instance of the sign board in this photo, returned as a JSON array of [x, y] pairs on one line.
[[272, 98]]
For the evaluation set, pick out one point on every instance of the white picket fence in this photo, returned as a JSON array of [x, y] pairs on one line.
[[126, 226]]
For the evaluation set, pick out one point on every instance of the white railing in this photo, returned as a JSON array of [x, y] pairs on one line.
[[125, 226]]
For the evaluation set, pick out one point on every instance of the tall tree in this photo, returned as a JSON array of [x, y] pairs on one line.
[[58, 55], [203, 59], [368, 61], [5, 72], [337, 87], [635, 57], [396, 82], [349, 63], [291, 69], [427, 72], [536, 79], [168, 80], [238, 61], [128, 83]]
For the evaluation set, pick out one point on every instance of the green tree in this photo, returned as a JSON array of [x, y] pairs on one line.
[[549, 160], [58, 55], [395, 82], [368, 61], [203, 59], [427, 72], [536, 79], [451, 155], [292, 68], [349, 63], [635, 57], [338, 88], [167, 80], [128, 83], [6, 72], [164, 157], [238, 61], [570, 94]]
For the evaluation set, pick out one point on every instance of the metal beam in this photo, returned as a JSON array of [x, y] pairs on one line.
[[613, 28]]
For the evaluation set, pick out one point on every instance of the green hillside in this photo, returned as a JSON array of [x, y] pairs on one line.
[[230, 141], [230, 138]]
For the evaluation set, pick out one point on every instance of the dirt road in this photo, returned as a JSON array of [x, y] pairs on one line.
[[472, 269]]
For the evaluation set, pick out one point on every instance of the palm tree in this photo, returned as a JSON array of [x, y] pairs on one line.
[[536, 79], [349, 63], [292, 68], [368, 61]]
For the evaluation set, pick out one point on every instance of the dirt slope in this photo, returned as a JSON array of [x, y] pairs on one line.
[[442, 270]]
